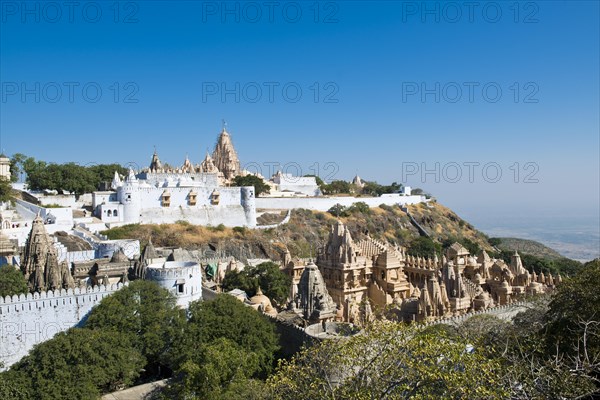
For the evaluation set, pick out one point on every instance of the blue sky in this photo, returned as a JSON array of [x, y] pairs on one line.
[[385, 87]]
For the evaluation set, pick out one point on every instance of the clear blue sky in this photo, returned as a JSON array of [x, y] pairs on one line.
[[369, 56]]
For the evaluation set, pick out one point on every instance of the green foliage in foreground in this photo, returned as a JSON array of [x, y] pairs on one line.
[[389, 361], [226, 346], [228, 318], [226, 350], [138, 334], [12, 281], [148, 315], [573, 318], [77, 364]]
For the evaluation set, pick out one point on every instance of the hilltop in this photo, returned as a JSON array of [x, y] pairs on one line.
[[527, 246], [308, 230]]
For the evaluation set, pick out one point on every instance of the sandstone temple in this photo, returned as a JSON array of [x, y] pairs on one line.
[[40, 263], [355, 278]]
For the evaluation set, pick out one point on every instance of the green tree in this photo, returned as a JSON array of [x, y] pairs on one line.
[[272, 281], [77, 364], [12, 281], [484, 329], [148, 315], [392, 361], [211, 370], [5, 190], [337, 187], [494, 241], [573, 318], [260, 186], [75, 178], [375, 189], [15, 385], [424, 247], [16, 166], [227, 318], [105, 172]]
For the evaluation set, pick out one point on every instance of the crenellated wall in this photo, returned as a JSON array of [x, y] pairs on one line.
[[27, 320]]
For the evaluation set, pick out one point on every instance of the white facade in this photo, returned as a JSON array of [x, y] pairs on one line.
[[182, 278], [168, 197], [303, 185]]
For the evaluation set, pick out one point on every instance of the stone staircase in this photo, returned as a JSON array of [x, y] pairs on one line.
[[470, 288]]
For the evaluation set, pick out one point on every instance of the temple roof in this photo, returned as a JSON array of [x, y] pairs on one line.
[[155, 164], [119, 256]]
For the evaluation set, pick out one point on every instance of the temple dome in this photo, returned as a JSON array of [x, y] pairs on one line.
[[260, 299]]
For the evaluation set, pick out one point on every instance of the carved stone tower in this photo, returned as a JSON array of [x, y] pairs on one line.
[[225, 156], [40, 263]]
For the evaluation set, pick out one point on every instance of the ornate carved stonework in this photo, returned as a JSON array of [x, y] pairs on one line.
[[312, 300], [225, 157], [40, 263]]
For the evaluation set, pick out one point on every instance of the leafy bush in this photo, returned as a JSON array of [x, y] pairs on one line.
[[424, 247], [240, 229], [359, 207], [12, 281], [338, 210]]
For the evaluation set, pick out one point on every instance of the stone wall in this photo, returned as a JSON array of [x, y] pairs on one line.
[[233, 215], [61, 200], [325, 203], [27, 320], [64, 216]]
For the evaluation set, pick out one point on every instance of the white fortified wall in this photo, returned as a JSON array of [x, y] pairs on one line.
[[27, 320], [182, 278]]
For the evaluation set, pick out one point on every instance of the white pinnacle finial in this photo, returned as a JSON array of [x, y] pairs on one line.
[[131, 176]]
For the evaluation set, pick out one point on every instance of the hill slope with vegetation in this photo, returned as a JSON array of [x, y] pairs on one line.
[[526, 246], [308, 230]]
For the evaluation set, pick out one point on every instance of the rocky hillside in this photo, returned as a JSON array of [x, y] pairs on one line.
[[443, 225], [308, 231], [528, 247]]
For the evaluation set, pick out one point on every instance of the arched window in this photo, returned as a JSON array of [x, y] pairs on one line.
[[109, 213], [115, 213]]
